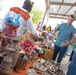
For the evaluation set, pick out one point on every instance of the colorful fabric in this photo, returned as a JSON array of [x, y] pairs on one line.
[[47, 29], [24, 14], [27, 44], [8, 32], [74, 46], [13, 21]]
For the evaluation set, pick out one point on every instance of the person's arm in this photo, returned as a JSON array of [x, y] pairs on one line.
[[66, 43], [72, 40], [30, 26], [54, 30], [73, 37]]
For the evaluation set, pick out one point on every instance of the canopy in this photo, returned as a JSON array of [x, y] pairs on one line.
[[60, 8]]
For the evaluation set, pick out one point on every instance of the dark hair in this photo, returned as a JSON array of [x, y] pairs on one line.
[[72, 16]]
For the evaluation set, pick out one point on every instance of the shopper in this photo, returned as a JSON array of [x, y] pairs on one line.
[[65, 38]]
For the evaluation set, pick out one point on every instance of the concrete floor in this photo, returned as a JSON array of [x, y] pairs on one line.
[[64, 64]]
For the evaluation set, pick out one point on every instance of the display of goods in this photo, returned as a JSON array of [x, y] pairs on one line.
[[5, 66], [21, 63], [27, 44], [55, 70]]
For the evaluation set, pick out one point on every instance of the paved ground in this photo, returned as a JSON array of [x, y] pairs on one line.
[[64, 64]]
